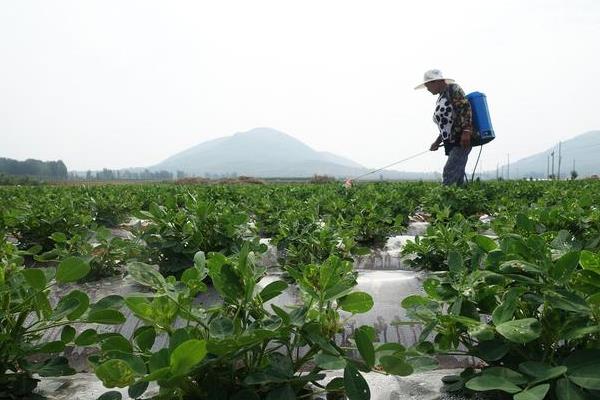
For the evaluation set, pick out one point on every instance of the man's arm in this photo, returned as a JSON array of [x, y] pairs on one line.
[[436, 145]]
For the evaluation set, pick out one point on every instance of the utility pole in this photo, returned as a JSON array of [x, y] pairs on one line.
[[508, 167], [548, 166], [497, 169], [559, 158], [552, 154]]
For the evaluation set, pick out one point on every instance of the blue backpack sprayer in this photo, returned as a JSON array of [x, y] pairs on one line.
[[482, 123], [483, 133]]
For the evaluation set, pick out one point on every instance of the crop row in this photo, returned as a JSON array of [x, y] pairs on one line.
[[519, 291]]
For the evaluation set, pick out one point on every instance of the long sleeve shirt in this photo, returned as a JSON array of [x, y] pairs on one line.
[[452, 115]]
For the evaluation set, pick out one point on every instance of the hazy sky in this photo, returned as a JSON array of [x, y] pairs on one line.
[[129, 83]]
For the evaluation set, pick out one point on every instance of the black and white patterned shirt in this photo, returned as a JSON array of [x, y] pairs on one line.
[[443, 117]]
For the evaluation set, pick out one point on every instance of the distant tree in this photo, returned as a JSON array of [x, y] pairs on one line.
[[34, 168], [574, 175]]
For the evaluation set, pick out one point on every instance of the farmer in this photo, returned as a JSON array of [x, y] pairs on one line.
[[453, 117]]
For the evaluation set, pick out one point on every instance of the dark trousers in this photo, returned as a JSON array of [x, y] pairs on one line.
[[454, 170]]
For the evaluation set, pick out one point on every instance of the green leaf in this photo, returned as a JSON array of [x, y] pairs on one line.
[[535, 393], [590, 261], [505, 311], [144, 337], [146, 275], [52, 347], [312, 331], [282, 392], [565, 265], [580, 332], [542, 372], [482, 332], [67, 334], [365, 345], [107, 316], [71, 269], [486, 382], [335, 385], [594, 300], [506, 373], [285, 317], [327, 361], [115, 373], [586, 376], [200, 262], [186, 356], [35, 277], [64, 307], [116, 343], [485, 243], [566, 300], [392, 347], [225, 278], [521, 330], [396, 365], [87, 337], [273, 290], [159, 360], [190, 274], [455, 263], [55, 366], [422, 363], [137, 389], [583, 367], [83, 301], [356, 386], [565, 390], [221, 327], [356, 302], [113, 301], [140, 306], [59, 237], [112, 395]]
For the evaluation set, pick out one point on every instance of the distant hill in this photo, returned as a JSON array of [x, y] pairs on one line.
[[266, 152], [584, 149]]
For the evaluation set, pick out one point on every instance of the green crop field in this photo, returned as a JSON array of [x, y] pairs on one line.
[[518, 289]]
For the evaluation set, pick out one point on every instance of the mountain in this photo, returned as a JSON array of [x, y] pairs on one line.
[[266, 152], [583, 149]]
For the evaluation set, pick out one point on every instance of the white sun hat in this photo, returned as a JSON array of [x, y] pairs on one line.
[[433, 75]]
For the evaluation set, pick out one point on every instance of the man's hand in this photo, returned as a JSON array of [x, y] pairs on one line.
[[434, 146], [465, 139]]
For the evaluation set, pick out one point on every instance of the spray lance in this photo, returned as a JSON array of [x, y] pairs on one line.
[[348, 182]]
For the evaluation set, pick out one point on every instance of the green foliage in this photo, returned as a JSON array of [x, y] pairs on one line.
[[526, 304], [431, 251], [527, 311], [244, 345], [27, 313], [42, 169], [186, 224], [105, 254]]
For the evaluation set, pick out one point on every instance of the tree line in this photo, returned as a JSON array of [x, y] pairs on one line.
[[109, 175], [34, 168]]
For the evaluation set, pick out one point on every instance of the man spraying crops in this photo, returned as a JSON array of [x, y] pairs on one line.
[[452, 116]]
